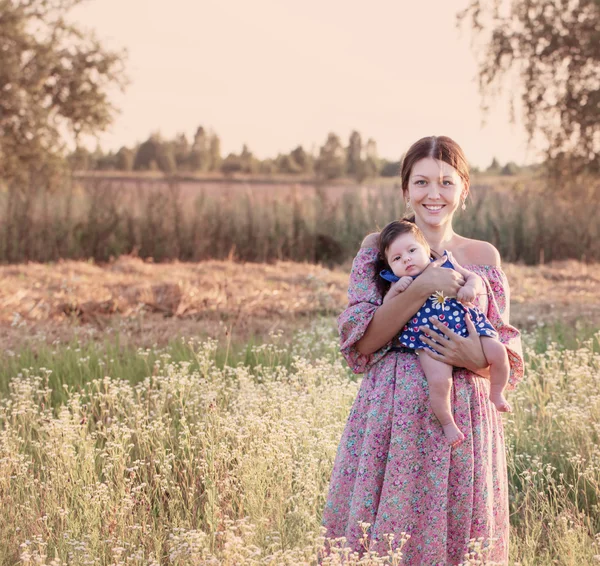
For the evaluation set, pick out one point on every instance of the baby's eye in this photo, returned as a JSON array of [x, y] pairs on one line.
[[413, 250]]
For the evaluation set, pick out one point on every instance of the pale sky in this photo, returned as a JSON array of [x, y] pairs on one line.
[[278, 73]]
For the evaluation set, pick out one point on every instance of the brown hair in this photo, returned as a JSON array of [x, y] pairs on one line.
[[392, 231], [439, 147]]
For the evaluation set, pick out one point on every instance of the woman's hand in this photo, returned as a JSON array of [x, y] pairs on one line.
[[436, 278], [455, 350]]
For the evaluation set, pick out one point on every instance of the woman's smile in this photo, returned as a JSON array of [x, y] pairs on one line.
[[434, 207]]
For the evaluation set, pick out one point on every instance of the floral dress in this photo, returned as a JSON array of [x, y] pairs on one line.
[[394, 468]]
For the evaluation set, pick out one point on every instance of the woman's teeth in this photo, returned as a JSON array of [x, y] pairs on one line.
[[433, 208]]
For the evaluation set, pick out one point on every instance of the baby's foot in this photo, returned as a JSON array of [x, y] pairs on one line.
[[453, 434], [501, 403]]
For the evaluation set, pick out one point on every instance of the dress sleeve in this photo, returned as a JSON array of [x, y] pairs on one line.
[[363, 300], [498, 314]]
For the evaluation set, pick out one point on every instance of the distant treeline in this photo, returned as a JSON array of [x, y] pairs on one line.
[[333, 160], [103, 219]]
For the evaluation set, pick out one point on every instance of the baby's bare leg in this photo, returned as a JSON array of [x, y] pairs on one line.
[[497, 357], [439, 378]]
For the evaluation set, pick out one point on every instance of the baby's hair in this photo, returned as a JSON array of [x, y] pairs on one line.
[[386, 237]]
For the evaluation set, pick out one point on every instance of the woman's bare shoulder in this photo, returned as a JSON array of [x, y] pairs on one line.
[[371, 241], [478, 252]]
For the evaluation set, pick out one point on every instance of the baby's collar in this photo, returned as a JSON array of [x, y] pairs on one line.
[[389, 276]]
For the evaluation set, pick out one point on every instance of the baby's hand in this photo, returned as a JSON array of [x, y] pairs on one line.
[[403, 284], [466, 295], [398, 287]]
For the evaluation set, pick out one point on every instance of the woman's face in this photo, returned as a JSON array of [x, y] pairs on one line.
[[434, 189]]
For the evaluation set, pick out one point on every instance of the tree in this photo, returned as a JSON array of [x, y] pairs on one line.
[[214, 150], [147, 153], [181, 152], [287, 164], [554, 47], [494, 167], [354, 154], [390, 168], [232, 164], [155, 154], [302, 159], [80, 159], [200, 156], [54, 81], [331, 162], [124, 159], [511, 168], [249, 163], [371, 163]]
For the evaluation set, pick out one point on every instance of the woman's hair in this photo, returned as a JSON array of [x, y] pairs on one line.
[[392, 231], [442, 148]]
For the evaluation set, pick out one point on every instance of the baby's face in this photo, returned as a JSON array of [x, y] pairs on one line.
[[407, 256]]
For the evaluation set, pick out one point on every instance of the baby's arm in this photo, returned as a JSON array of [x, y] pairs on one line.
[[401, 285], [473, 284]]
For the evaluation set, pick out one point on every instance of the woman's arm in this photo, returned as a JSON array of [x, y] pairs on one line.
[[391, 316]]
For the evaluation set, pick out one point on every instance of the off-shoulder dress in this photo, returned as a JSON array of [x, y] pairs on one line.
[[394, 468]]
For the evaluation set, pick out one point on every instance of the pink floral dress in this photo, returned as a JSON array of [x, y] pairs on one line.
[[394, 468]]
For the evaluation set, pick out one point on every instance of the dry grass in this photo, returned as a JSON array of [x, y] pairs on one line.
[[156, 302]]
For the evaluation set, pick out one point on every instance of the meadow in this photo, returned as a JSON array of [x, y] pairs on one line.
[[194, 419]]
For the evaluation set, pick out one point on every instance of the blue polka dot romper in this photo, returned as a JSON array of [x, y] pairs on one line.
[[448, 310]]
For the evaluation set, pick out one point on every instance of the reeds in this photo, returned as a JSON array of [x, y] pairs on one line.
[[102, 218]]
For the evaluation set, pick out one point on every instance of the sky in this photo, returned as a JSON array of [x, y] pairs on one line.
[[277, 73]]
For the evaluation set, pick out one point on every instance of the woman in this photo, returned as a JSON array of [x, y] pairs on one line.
[[394, 469]]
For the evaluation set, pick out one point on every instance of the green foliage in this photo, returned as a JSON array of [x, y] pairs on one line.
[[494, 167], [181, 152], [124, 159], [214, 150], [511, 168], [390, 168], [331, 162], [555, 49], [302, 159], [54, 83], [199, 159], [354, 155], [154, 153]]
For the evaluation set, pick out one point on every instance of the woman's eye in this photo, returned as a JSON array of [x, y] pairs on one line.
[[420, 182], [448, 183]]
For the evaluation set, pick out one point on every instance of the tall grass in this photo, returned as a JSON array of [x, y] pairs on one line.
[[207, 461], [104, 218]]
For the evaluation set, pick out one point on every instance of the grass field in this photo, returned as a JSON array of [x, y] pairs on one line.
[[190, 413]]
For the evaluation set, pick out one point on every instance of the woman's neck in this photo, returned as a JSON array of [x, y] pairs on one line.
[[439, 238]]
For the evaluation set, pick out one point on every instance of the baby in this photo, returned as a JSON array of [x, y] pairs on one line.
[[406, 253]]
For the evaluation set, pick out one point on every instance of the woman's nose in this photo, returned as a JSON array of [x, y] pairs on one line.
[[435, 191]]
